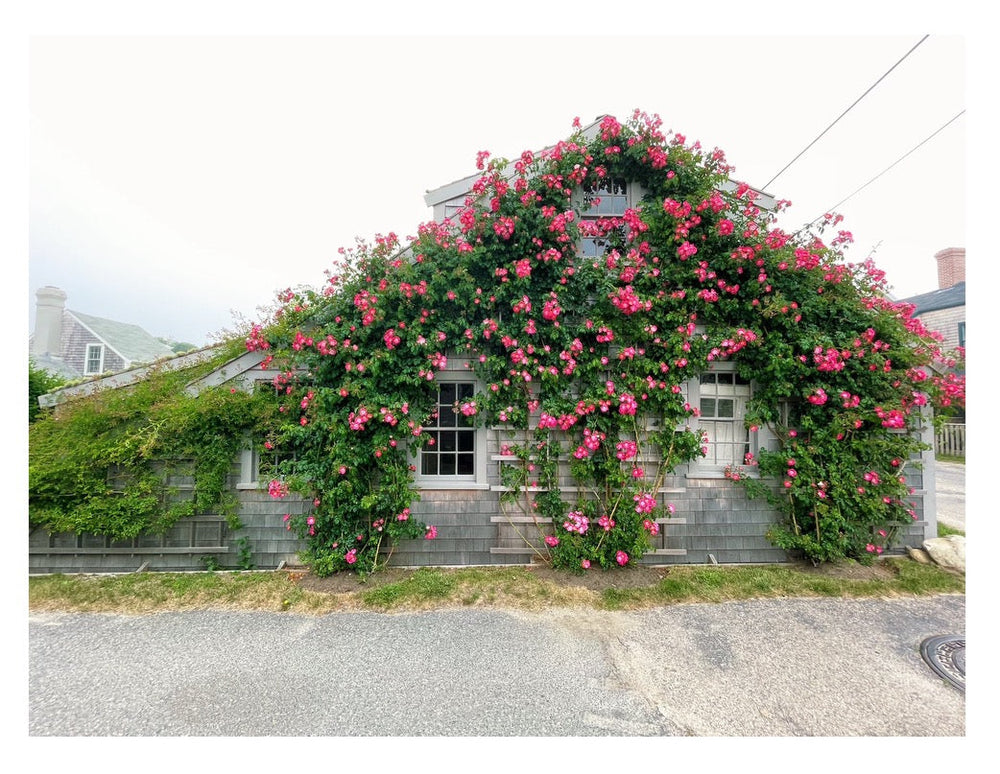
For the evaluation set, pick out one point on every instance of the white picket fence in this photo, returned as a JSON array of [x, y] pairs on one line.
[[950, 440]]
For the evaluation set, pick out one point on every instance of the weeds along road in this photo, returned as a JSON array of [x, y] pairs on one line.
[[825, 667]]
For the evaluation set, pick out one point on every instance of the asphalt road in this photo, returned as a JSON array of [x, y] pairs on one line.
[[950, 490], [768, 668]]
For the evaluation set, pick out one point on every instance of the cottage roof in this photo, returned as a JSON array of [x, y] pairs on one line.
[[943, 298], [129, 341], [129, 376], [464, 185]]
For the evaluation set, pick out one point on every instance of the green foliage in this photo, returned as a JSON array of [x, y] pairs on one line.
[[245, 554], [211, 563], [40, 382], [103, 463]]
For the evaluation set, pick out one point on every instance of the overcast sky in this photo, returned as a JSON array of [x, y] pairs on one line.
[[176, 180]]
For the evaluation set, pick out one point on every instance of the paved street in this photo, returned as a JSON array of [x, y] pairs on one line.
[[950, 489], [827, 667]]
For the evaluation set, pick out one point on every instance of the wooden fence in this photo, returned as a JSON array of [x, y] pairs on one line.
[[950, 441]]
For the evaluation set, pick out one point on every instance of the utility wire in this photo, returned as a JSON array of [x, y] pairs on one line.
[[845, 112], [914, 148]]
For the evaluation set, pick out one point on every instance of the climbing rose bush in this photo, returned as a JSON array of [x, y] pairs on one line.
[[576, 350]]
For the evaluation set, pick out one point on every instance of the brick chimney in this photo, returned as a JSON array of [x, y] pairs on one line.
[[51, 303], [951, 266]]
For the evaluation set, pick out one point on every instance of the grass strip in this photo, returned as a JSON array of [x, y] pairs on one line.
[[432, 588]]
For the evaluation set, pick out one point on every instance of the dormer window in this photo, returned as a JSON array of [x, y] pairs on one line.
[[95, 360], [607, 201]]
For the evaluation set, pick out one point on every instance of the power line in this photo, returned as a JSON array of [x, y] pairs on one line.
[[914, 148], [845, 112]]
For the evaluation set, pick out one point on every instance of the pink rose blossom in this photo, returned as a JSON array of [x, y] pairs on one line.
[[277, 489]]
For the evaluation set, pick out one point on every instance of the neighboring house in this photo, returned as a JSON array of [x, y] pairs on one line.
[[75, 345], [943, 310], [460, 479]]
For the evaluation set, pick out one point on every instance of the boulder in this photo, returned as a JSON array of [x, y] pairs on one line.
[[918, 555], [947, 552]]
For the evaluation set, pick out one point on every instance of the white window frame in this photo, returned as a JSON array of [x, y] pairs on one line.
[[251, 463], [456, 373], [87, 371], [633, 195], [711, 466]]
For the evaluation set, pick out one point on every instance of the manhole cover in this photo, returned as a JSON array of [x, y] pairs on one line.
[[946, 656]]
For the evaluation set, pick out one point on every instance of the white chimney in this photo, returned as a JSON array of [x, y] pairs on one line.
[[48, 321]]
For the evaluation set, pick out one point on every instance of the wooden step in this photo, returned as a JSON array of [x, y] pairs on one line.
[[525, 550]]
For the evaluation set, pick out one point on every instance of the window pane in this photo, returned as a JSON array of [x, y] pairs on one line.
[[448, 441], [465, 391], [446, 416], [447, 394], [93, 358], [466, 464], [447, 465], [466, 442], [722, 408], [428, 463]]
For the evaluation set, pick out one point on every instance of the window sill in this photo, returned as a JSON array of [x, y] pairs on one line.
[[720, 473], [426, 485]]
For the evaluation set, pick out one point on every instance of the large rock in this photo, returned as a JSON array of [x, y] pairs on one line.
[[918, 555], [948, 552]]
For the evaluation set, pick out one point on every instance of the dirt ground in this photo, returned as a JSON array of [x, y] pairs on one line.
[[594, 579]]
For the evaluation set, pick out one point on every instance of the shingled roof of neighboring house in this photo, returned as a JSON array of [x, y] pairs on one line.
[[944, 298], [55, 366], [129, 341]]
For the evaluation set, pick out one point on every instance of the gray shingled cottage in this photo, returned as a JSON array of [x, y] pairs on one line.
[[714, 520]]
